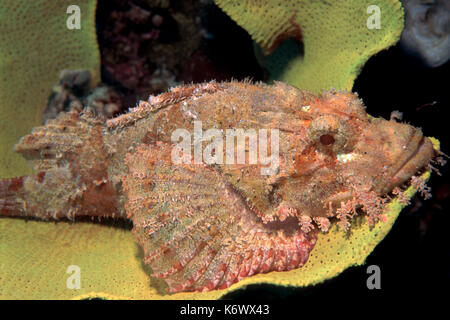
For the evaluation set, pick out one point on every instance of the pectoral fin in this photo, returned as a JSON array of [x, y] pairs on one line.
[[197, 232]]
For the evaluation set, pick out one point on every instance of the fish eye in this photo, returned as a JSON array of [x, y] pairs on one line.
[[327, 139], [329, 132]]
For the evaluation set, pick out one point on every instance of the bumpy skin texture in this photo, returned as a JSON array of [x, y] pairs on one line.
[[202, 226]]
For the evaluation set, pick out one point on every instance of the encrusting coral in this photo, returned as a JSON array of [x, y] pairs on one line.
[[35, 45], [338, 37], [74, 92]]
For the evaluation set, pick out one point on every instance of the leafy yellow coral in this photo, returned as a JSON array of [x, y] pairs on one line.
[[35, 44], [335, 35], [34, 257]]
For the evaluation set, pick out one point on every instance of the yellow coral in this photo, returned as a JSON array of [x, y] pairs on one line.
[[35, 44], [34, 256], [34, 259], [337, 41]]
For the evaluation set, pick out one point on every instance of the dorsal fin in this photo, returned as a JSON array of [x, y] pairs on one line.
[[154, 103]]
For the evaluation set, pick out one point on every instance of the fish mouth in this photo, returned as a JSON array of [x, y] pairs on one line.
[[420, 152], [421, 156]]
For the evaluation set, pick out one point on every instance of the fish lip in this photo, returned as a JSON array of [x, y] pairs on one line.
[[418, 159]]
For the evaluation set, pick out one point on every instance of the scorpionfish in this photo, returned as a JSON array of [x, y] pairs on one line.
[[205, 225]]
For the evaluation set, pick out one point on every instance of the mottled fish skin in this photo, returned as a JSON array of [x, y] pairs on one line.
[[205, 227]]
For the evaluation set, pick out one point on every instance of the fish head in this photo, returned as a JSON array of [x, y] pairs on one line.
[[349, 158]]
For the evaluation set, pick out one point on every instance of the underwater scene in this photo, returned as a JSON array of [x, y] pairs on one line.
[[273, 150]]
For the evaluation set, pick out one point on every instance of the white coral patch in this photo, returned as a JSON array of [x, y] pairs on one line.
[[346, 157], [305, 108]]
